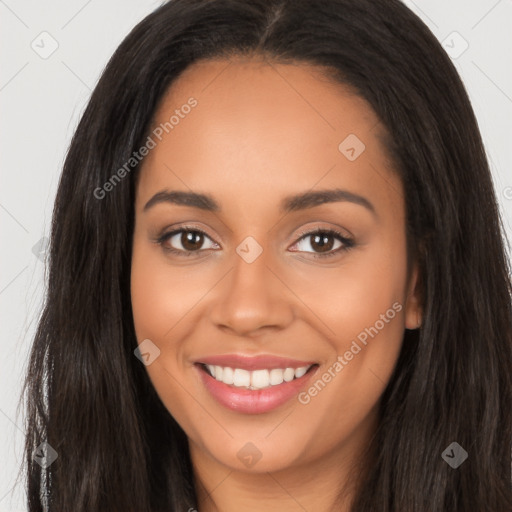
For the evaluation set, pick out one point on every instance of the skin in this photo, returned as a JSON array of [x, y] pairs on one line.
[[261, 132]]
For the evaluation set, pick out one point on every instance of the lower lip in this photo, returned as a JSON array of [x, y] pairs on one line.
[[253, 401]]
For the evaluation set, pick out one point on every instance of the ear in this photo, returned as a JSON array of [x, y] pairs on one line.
[[413, 302]]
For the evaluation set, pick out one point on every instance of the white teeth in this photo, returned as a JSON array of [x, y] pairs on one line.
[[289, 374], [218, 372], [299, 372], [227, 376], [260, 379], [276, 377], [257, 379], [241, 378]]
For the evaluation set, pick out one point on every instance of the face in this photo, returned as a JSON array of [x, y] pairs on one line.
[[295, 261]]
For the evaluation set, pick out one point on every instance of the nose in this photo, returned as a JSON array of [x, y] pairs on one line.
[[252, 298]]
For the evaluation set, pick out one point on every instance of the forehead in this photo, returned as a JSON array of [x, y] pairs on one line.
[[266, 129]]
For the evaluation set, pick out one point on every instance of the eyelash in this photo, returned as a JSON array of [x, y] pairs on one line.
[[348, 243]]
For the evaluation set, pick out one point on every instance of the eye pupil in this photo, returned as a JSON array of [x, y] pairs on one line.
[[189, 238], [322, 242]]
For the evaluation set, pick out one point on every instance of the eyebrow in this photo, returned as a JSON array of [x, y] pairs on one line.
[[292, 203]]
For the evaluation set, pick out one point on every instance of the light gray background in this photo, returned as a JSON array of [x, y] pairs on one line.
[[42, 98]]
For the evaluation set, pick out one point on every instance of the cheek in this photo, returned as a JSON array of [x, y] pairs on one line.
[[167, 301], [150, 297], [362, 306], [161, 296], [371, 312], [161, 299], [351, 296]]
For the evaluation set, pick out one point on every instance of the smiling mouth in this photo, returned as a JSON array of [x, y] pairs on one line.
[[255, 379]]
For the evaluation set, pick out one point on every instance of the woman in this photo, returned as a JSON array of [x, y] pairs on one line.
[[277, 274]]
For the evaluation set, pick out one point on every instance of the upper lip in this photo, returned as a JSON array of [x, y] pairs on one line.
[[259, 362]]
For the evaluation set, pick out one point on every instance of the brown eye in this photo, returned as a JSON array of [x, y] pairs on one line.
[[191, 240], [186, 241], [323, 243]]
